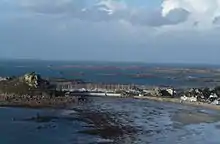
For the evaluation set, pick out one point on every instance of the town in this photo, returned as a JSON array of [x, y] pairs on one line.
[[81, 88]]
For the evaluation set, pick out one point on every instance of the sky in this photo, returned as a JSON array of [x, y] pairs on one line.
[[158, 31]]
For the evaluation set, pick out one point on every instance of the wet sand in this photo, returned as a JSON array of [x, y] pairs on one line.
[[112, 120], [102, 124], [186, 118], [177, 100]]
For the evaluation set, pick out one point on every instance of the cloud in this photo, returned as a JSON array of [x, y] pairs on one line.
[[104, 10], [79, 30], [196, 13], [156, 19], [176, 16], [52, 6], [71, 6], [202, 12], [110, 30], [51, 37], [216, 20]]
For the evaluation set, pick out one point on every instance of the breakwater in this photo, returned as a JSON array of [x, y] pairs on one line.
[[76, 85], [203, 95]]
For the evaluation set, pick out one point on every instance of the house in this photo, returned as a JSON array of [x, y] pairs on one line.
[[213, 97], [216, 102], [167, 92], [190, 99]]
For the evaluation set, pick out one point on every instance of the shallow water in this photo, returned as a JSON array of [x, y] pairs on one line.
[[149, 122]]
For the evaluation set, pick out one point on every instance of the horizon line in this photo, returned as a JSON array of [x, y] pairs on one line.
[[107, 61]]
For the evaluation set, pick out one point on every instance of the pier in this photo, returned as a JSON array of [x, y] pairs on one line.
[[81, 88], [73, 86]]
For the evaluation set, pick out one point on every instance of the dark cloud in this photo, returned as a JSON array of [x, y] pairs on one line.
[[155, 18], [147, 18], [216, 20], [176, 16]]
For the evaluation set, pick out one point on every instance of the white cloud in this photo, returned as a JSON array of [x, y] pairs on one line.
[[111, 6]]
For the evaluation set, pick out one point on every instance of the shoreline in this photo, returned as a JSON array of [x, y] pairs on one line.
[[64, 102], [31, 90], [177, 101], [26, 102]]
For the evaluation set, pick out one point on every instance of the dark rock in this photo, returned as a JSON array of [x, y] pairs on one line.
[[167, 92]]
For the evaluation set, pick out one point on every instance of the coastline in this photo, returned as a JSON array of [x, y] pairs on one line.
[[177, 101], [33, 91], [64, 102], [26, 102]]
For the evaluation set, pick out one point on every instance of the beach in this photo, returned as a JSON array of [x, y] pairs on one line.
[[129, 121], [178, 101]]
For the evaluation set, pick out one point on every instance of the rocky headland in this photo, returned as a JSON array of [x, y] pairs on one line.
[[31, 90]]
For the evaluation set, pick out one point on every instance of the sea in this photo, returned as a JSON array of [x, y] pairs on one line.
[[107, 120]]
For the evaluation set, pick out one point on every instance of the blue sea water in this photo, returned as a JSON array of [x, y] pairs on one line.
[[106, 72], [16, 130], [154, 122]]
